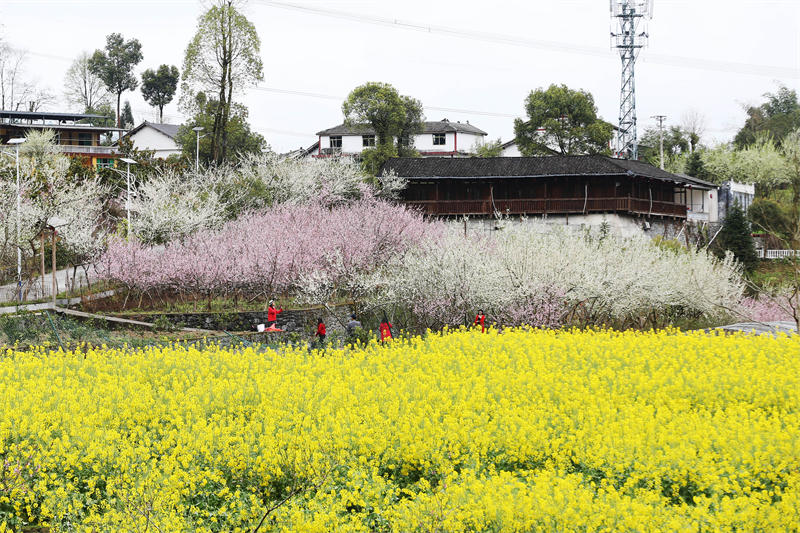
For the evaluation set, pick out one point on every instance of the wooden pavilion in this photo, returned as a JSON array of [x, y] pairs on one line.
[[539, 186]]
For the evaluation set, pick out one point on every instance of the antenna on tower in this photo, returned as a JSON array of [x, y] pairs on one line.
[[630, 37]]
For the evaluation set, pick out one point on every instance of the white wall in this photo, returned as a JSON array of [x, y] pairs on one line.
[[621, 225], [353, 144], [148, 138], [511, 151], [702, 205]]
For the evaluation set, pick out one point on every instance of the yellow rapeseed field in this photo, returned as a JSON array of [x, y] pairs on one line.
[[460, 431]]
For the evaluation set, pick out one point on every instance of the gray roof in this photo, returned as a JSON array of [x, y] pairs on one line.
[[43, 115], [697, 182], [439, 126], [71, 127], [524, 167], [170, 130]]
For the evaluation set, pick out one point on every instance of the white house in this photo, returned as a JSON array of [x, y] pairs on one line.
[[160, 138], [733, 192], [440, 138], [702, 199], [510, 149]]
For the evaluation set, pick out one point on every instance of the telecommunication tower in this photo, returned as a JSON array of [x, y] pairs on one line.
[[629, 38]]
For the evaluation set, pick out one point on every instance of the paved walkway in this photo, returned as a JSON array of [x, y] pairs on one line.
[[762, 328]]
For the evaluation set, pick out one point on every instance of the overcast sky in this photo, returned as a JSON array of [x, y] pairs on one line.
[[477, 59]]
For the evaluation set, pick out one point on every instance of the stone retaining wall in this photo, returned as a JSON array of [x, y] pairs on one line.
[[302, 321]]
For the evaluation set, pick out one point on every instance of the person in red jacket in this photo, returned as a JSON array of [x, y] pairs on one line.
[[320, 331], [480, 318], [272, 314], [386, 329]]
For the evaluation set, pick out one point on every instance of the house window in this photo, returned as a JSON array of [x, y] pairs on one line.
[[439, 139], [336, 141], [367, 141], [84, 139], [103, 162]]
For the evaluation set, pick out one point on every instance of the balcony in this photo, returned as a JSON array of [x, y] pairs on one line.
[[541, 206], [90, 150]]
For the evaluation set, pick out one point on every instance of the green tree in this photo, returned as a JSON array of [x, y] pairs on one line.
[[223, 54], [778, 116], [372, 159], [241, 140], [695, 167], [412, 125], [562, 121], [769, 216], [760, 163], [115, 66], [676, 142], [127, 116], [791, 154], [489, 149], [390, 114], [105, 111], [736, 237], [159, 86]]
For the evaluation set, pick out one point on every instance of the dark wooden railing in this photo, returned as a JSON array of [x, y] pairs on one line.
[[541, 206]]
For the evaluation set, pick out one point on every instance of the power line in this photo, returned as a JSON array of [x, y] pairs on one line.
[[662, 59], [341, 98]]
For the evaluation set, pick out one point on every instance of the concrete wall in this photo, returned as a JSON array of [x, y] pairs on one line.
[[621, 225], [353, 144], [303, 321]]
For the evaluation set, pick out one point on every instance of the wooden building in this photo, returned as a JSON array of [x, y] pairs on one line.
[[557, 185], [76, 136]]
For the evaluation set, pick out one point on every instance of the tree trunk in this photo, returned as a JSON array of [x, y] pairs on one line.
[[119, 117]]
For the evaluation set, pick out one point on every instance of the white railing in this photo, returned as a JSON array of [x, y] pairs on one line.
[[77, 149], [777, 254]]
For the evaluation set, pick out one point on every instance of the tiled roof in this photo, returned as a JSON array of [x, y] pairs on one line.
[[170, 130], [523, 167], [439, 126]]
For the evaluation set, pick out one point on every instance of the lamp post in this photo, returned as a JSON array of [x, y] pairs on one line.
[[16, 142], [197, 130], [128, 161]]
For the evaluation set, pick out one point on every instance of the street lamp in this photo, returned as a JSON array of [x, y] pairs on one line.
[[16, 142], [197, 130], [128, 161]]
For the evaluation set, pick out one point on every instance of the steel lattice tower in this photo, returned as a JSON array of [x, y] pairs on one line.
[[629, 39]]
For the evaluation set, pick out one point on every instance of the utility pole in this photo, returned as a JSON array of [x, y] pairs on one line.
[[661, 119]]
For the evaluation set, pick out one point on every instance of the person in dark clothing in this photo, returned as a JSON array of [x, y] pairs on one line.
[[320, 332], [272, 314], [385, 329], [480, 318], [352, 325]]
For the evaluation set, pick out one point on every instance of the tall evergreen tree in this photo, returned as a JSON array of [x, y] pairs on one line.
[[127, 116], [114, 66], [159, 86], [736, 237]]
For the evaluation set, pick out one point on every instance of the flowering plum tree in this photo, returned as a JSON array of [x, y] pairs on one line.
[[315, 251], [539, 276]]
